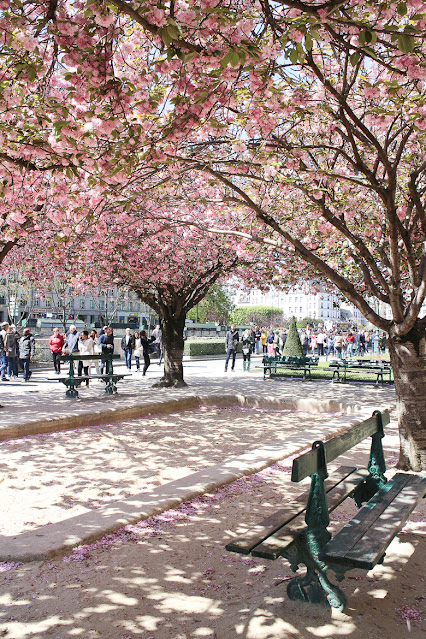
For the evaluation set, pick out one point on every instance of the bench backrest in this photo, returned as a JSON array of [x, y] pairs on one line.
[[313, 461]]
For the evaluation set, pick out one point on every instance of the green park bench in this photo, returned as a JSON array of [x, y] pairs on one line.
[[276, 366], [72, 381], [344, 367], [299, 532]]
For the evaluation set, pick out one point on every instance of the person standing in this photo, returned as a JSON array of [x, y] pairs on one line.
[[127, 346], [26, 352], [12, 363], [97, 350], [304, 338], [367, 341], [362, 342], [257, 334], [231, 341], [85, 347], [158, 341], [56, 344], [270, 343], [350, 340], [320, 343], [4, 351], [248, 344], [338, 345], [263, 337], [146, 343], [71, 340], [107, 344]]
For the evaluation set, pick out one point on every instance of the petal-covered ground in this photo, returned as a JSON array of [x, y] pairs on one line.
[[169, 577], [47, 478]]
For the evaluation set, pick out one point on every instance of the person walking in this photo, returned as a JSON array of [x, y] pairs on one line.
[[146, 342], [138, 351], [26, 352], [231, 341], [248, 344], [85, 347], [56, 345], [127, 346]]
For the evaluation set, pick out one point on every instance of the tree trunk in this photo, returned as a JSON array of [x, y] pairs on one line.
[[408, 360], [172, 336]]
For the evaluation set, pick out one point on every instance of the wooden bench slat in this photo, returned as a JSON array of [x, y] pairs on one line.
[[363, 541], [275, 545], [307, 464], [255, 535]]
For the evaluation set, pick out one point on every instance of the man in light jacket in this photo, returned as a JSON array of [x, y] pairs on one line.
[[127, 346]]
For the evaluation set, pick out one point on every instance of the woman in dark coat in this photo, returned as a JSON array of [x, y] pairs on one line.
[[145, 343]]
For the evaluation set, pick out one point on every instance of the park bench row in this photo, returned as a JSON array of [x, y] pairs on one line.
[[298, 532], [342, 368]]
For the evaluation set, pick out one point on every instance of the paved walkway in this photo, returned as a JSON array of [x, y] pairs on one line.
[[41, 406]]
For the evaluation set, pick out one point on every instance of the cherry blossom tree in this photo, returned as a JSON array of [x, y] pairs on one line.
[[313, 119], [310, 115]]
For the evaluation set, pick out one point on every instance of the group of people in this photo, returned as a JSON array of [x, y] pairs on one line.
[[354, 342], [250, 344], [272, 342], [16, 352], [87, 343]]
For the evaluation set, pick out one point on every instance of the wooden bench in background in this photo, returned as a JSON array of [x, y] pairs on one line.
[[299, 532], [367, 367], [273, 365]]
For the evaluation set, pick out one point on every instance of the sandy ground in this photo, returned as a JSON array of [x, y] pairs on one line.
[[170, 577], [47, 478]]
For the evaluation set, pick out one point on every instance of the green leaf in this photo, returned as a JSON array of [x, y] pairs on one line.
[[308, 42], [234, 59], [402, 8], [355, 57], [365, 37], [293, 56], [406, 43], [173, 32], [165, 36]]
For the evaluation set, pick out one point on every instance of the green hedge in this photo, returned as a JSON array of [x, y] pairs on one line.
[[213, 346]]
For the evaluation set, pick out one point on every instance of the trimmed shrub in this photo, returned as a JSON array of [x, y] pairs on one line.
[[199, 347], [293, 346]]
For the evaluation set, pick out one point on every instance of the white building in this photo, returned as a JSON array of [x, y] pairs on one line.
[[301, 301]]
